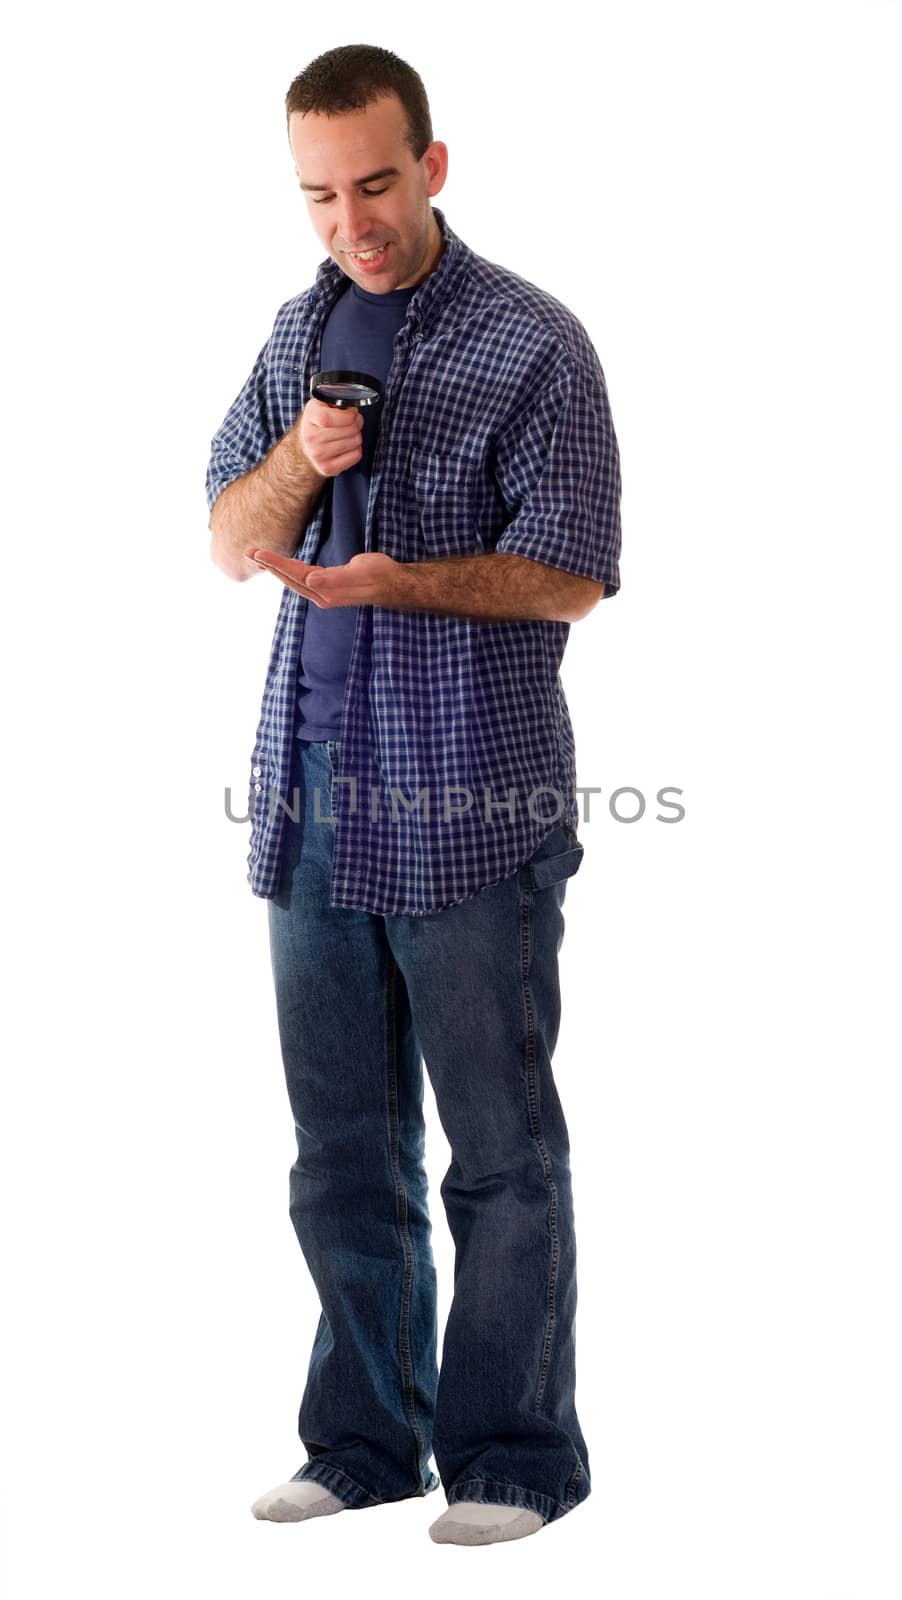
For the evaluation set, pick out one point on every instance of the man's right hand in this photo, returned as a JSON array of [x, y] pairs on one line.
[[330, 436]]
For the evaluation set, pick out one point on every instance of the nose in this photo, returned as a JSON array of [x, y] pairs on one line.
[[352, 222]]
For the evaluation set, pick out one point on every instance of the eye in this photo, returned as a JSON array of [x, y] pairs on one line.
[[368, 192]]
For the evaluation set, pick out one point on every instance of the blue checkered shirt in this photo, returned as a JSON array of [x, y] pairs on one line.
[[456, 754]]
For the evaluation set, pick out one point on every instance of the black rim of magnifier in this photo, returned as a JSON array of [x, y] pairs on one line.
[[366, 378]]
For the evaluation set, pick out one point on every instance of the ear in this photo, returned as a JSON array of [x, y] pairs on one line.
[[436, 160]]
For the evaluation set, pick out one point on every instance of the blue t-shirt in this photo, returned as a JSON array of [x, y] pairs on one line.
[[359, 335]]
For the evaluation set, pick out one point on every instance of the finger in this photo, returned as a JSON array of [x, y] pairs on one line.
[[331, 443], [335, 461], [332, 417], [346, 460], [329, 449], [296, 584], [291, 572], [287, 565]]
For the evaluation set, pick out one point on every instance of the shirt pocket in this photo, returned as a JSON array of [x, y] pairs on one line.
[[445, 494]]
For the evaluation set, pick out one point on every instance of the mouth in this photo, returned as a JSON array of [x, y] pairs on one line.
[[369, 260]]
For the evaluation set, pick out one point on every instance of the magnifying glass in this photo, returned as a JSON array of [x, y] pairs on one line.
[[346, 388]]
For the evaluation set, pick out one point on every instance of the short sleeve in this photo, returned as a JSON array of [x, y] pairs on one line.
[[244, 436], [558, 468]]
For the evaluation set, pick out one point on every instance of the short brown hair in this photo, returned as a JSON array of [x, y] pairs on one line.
[[351, 77]]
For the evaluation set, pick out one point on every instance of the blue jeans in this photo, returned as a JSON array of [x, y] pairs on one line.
[[361, 999]]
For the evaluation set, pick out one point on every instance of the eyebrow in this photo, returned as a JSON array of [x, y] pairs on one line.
[[384, 172]]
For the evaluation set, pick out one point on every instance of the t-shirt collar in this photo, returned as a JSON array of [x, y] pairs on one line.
[[436, 289]]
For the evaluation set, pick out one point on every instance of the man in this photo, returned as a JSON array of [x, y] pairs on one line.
[[414, 809]]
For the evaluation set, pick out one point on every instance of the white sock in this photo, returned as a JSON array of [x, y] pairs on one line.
[[471, 1522], [296, 1501], [473, 1511]]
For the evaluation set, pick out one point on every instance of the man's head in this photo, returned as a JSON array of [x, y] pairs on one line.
[[359, 113]]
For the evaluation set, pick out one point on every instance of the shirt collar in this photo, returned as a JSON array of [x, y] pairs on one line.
[[432, 294]]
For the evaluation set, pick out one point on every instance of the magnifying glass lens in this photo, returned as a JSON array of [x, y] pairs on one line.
[[344, 391], [346, 388]]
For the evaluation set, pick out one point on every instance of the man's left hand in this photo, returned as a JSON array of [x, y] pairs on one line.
[[368, 579]]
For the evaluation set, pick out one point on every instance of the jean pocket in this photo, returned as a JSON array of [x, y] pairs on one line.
[[558, 856]]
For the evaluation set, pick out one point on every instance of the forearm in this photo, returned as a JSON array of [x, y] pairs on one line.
[[494, 587], [270, 505]]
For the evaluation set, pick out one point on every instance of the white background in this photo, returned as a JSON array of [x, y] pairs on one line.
[[714, 190]]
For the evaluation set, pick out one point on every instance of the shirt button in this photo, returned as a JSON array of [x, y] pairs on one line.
[[257, 771], [257, 788]]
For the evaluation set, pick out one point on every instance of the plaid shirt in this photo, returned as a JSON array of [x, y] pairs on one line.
[[456, 755]]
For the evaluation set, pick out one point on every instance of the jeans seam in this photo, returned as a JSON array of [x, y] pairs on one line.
[[527, 906], [573, 1485], [548, 1502], [408, 1376], [326, 1469]]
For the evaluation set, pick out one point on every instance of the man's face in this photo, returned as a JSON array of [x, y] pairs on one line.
[[332, 155]]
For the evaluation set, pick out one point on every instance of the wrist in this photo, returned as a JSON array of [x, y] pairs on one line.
[[401, 585], [299, 465]]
